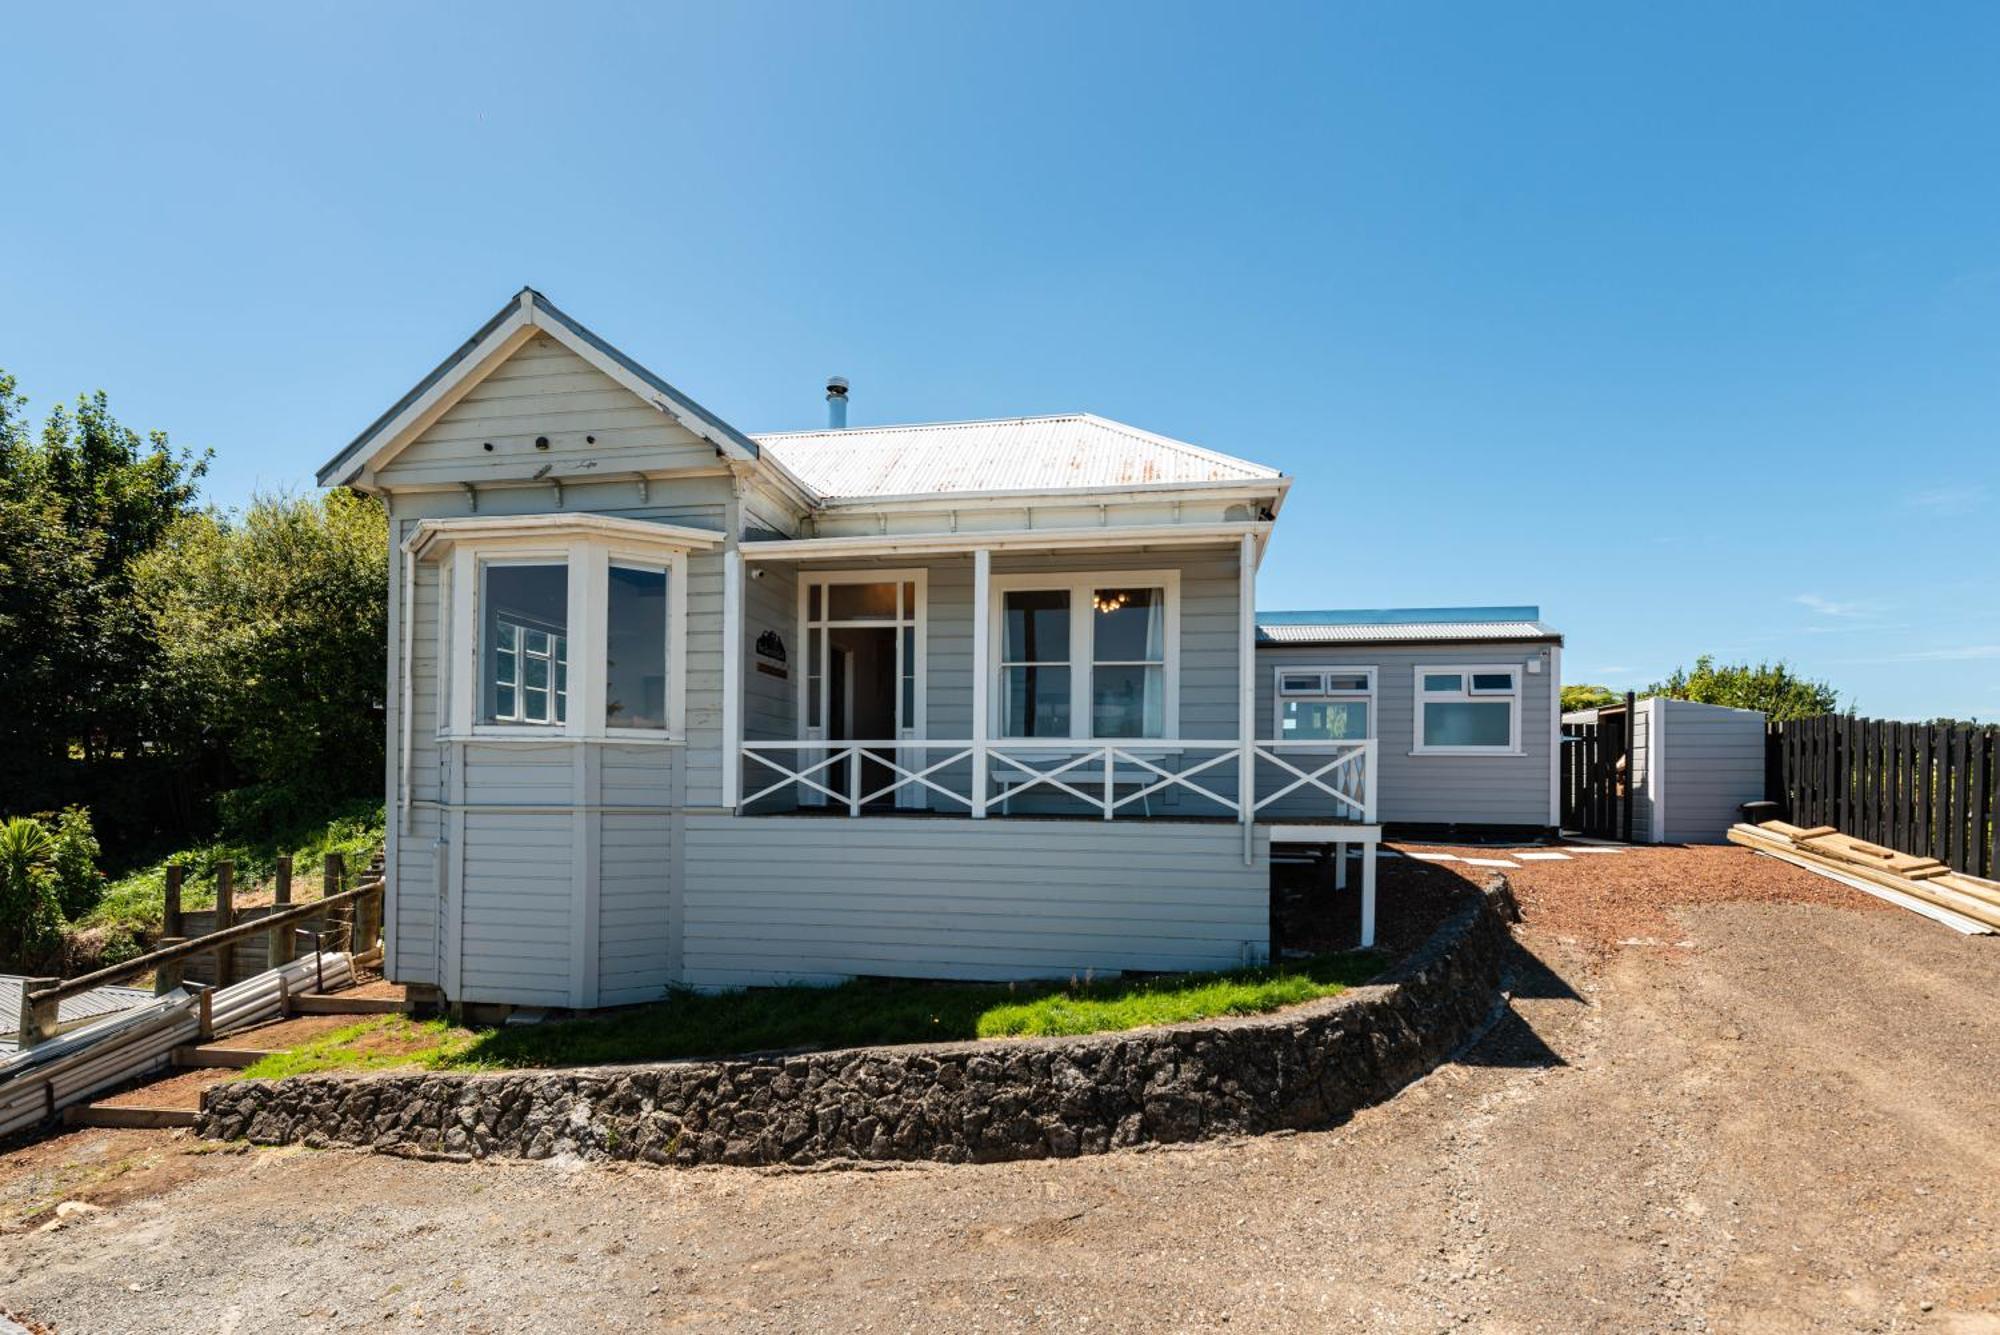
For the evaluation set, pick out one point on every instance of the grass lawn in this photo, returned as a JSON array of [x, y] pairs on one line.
[[857, 1014]]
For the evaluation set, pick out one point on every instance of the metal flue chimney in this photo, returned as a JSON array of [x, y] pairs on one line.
[[836, 403]]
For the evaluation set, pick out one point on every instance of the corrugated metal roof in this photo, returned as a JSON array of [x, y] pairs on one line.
[[1415, 625], [1007, 454], [98, 1001]]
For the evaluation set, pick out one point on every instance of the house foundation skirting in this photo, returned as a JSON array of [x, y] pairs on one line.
[[965, 1102]]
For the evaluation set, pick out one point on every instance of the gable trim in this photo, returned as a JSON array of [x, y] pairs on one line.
[[496, 340]]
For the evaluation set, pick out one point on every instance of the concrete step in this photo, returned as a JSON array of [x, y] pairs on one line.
[[88, 1114], [214, 1055], [334, 1003]]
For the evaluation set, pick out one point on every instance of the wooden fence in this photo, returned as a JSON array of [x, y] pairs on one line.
[[1919, 788]]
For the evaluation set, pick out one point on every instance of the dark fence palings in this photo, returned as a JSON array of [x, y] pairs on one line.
[[1919, 788]]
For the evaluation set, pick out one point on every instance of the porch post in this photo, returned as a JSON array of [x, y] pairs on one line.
[[982, 654], [1246, 684], [732, 678]]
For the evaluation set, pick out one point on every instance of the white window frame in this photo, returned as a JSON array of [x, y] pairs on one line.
[[588, 562], [1466, 695], [1279, 695], [1081, 585]]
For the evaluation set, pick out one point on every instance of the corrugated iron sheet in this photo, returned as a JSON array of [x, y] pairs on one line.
[[89, 1005], [1010, 454], [1404, 632]]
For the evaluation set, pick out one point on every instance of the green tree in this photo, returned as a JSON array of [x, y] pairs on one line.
[[1588, 697], [78, 506], [271, 628], [1770, 687]]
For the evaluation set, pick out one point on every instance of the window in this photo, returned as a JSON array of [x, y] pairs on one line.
[[635, 660], [1335, 704], [1087, 656], [1468, 710], [525, 644], [1128, 666], [1035, 664]]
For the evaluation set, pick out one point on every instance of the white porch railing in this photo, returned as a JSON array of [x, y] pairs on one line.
[[1114, 778]]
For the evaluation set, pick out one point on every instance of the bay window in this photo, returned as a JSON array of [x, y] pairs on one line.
[[1468, 710], [569, 628], [1087, 656]]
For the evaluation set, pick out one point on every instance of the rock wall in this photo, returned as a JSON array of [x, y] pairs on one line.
[[966, 1102]]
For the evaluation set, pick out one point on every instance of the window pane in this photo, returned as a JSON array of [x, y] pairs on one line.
[[812, 677], [1324, 721], [1469, 723], [812, 602], [1444, 681], [861, 602], [635, 664], [1127, 702], [1131, 625], [1493, 681], [1037, 627], [1347, 681], [1301, 683], [909, 677], [524, 620], [1034, 702]]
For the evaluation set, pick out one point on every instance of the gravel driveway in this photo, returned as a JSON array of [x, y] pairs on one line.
[[1769, 1115]]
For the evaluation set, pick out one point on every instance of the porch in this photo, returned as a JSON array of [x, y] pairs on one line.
[[1103, 672]]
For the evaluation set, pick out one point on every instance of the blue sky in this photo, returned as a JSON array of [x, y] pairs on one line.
[[1681, 321]]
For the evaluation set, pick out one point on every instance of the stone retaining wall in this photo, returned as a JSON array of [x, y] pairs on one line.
[[964, 1102]]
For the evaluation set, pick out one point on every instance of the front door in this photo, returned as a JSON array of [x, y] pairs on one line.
[[863, 682]]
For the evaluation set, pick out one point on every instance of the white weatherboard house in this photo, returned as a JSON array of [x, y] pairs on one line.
[[670, 705]]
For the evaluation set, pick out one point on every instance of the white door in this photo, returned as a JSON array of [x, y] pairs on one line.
[[874, 621]]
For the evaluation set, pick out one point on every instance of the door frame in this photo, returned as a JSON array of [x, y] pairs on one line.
[[915, 619]]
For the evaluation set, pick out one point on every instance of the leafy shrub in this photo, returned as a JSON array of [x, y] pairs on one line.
[[30, 919], [73, 861]]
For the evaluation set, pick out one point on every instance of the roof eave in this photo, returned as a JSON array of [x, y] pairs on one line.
[[1274, 486]]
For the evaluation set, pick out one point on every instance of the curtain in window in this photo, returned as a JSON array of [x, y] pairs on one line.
[[1129, 663]]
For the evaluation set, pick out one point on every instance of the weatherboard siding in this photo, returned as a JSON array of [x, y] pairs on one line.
[[544, 391], [934, 897], [1414, 789], [1714, 762]]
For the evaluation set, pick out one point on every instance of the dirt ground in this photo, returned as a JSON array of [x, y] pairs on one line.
[[1776, 1111]]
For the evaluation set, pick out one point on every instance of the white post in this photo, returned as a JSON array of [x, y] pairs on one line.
[[732, 678], [982, 671], [1246, 684], [1368, 753], [1368, 894]]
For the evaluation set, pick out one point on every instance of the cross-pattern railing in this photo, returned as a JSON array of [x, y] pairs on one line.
[[1113, 778]]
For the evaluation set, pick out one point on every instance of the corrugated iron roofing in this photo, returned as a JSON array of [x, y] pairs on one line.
[[1394, 632], [85, 1006], [1008, 454]]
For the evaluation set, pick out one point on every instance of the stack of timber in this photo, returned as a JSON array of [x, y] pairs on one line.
[[1921, 884]]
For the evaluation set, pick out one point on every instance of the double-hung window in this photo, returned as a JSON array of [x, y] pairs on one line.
[[1468, 710], [1325, 704], [1087, 656]]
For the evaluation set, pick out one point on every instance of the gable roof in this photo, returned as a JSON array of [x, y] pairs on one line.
[[1405, 625], [1026, 454], [527, 312]]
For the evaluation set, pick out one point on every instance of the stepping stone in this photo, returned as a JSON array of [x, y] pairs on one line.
[[1388, 853], [1543, 857], [1434, 857], [1491, 862], [1593, 850]]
